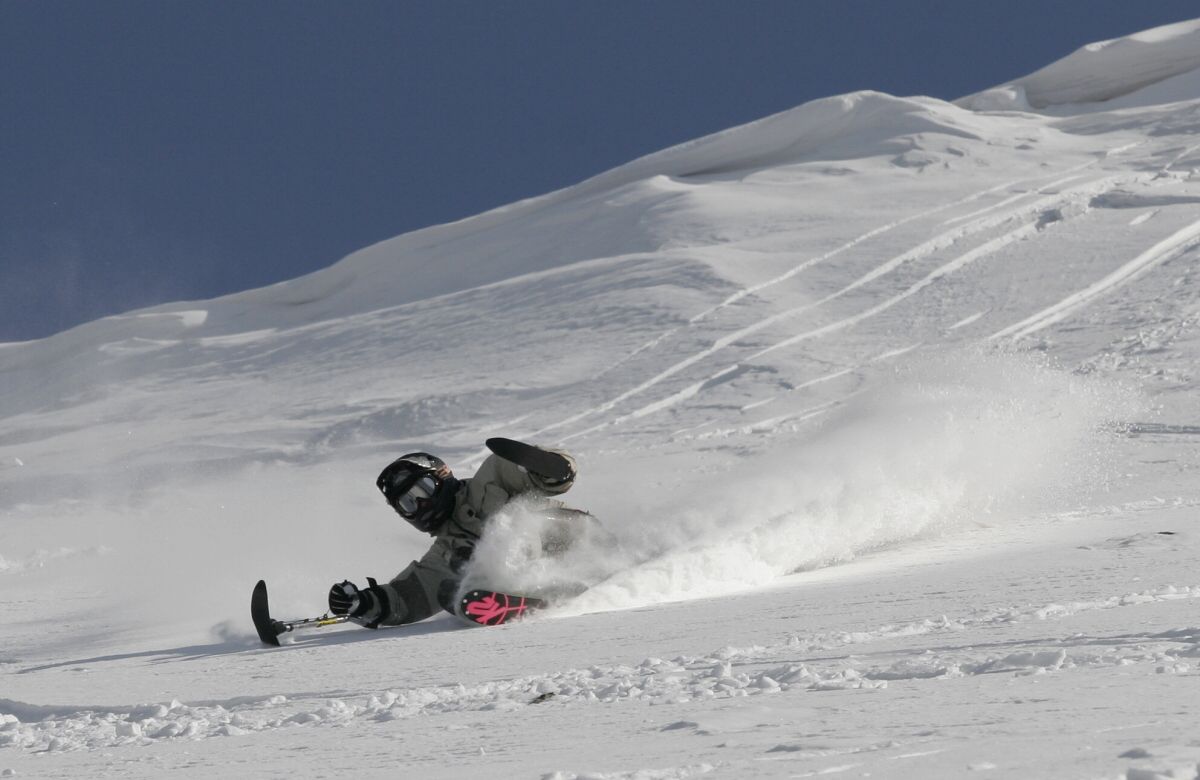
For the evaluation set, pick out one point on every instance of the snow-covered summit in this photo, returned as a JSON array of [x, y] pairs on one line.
[[890, 403], [1161, 64]]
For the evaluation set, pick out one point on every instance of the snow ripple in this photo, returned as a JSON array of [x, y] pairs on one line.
[[800, 663]]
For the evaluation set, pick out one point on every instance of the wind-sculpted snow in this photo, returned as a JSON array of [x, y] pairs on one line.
[[801, 663], [1102, 71], [886, 407]]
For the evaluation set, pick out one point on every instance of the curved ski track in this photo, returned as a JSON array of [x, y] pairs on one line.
[[1030, 223]]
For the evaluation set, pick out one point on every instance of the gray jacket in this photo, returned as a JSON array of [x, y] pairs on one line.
[[431, 584]]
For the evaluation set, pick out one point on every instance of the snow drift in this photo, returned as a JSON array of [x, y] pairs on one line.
[[1102, 71], [843, 383]]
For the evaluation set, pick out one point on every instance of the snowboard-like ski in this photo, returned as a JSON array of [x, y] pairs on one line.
[[269, 629], [542, 462], [492, 608]]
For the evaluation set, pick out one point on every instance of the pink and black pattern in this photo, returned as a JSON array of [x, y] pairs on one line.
[[489, 608]]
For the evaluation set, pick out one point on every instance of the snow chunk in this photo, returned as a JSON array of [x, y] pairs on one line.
[[128, 730], [1026, 661]]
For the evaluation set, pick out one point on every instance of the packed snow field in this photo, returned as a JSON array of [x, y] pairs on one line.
[[889, 407]]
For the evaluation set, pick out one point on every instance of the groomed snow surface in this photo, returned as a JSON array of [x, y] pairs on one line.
[[889, 405]]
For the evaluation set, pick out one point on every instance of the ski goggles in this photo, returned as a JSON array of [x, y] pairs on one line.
[[409, 502]]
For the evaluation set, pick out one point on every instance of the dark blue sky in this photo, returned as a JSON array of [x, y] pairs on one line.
[[155, 151]]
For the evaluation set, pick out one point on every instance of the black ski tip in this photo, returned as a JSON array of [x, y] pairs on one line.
[[260, 613], [543, 462]]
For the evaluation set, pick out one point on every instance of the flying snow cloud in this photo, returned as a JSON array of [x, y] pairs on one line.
[[939, 440]]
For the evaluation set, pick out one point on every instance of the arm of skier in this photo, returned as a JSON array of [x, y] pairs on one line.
[[410, 596]]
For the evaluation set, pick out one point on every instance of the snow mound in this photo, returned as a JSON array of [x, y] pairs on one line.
[[1106, 70], [599, 217]]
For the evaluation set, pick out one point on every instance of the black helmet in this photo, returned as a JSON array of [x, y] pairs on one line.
[[421, 489]]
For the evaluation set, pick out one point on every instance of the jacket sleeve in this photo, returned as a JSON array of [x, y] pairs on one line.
[[421, 590]]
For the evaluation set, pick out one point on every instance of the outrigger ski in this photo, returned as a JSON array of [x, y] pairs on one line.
[[269, 629], [481, 607]]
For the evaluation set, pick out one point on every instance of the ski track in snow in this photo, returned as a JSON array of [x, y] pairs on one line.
[[933, 245], [938, 242], [802, 662], [879, 231], [763, 425], [981, 220], [1033, 214], [767, 426], [1178, 243], [1017, 197], [991, 247]]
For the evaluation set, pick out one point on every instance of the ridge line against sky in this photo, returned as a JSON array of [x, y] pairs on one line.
[[156, 152]]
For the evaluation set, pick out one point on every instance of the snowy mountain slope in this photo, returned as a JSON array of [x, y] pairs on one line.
[[1104, 71], [950, 348]]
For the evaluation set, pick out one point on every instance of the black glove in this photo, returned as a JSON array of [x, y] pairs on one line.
[[365, 607], [344, 598]]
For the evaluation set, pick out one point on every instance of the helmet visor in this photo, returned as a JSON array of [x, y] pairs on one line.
[[409, 502]]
